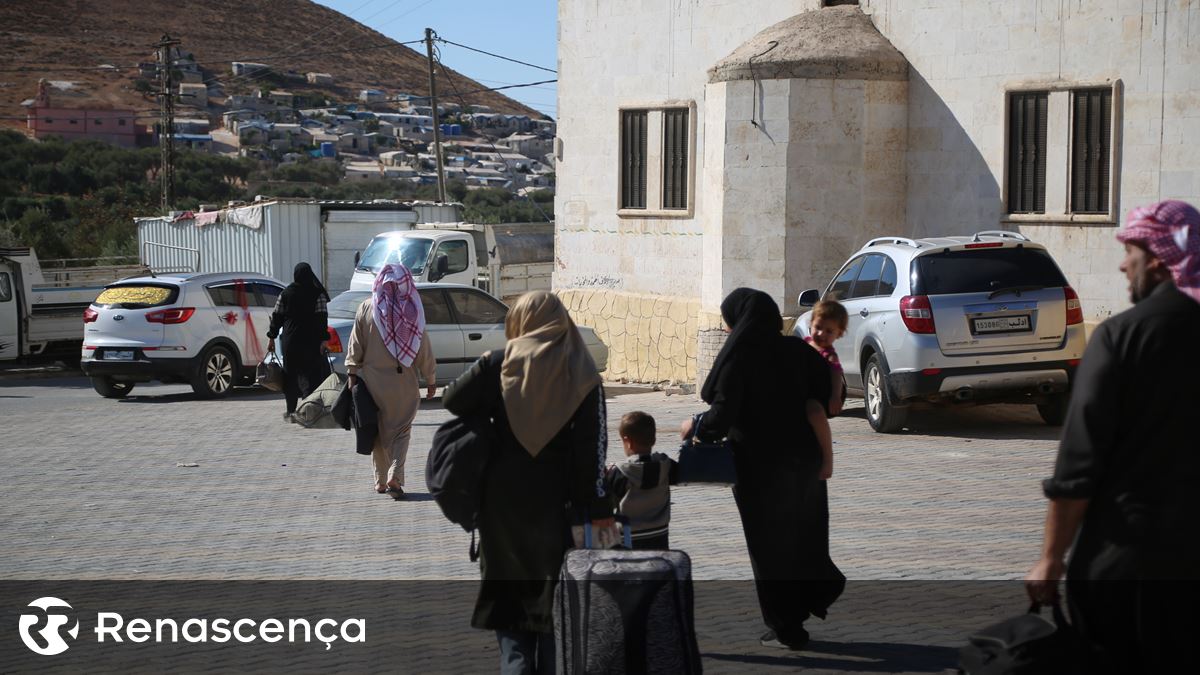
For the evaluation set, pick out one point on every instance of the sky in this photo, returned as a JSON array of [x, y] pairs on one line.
[[525, 30]]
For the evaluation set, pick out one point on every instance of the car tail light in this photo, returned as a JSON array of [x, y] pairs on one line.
[[335, 342], [90, 315], [171, 316], [990, 244], [1074, 308], [916, 313]]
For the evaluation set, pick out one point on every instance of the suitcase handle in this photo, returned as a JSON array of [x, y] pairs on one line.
[[587, 535]]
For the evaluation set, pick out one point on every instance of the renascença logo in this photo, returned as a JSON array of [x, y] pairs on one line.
[[52, 632], [109, 626]]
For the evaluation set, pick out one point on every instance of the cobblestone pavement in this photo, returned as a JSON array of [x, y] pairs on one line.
[[96, 489]]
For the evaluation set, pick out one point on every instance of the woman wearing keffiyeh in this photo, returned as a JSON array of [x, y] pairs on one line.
[[389, 350]]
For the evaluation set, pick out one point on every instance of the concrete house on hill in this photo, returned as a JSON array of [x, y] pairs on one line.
[[708, 145]]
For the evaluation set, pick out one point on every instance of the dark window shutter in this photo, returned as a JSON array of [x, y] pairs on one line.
[[1090, 149], [633, 159], [1027, 152], [675, 159]]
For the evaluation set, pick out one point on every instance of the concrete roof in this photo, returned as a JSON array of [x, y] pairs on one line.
[[834, 43]]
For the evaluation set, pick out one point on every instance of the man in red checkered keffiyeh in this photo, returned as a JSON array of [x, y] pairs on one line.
[[398, 313], [1122, 499], [1170, 230]]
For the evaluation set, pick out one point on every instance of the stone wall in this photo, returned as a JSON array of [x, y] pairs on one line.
[[957, 117], [650, 338]]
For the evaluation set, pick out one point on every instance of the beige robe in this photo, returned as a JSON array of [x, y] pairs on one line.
[[396, 394]]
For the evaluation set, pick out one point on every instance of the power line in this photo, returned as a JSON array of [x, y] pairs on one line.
[[342, 50], [481, 91], [399, 16], [507, 167], [505, 58]]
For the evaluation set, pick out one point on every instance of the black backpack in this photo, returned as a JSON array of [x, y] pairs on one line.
[[455, 467], [1024, 645]]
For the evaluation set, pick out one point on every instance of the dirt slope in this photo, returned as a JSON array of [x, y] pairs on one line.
[[36, 37]]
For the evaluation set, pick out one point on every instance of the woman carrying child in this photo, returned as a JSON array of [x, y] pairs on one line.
[[758, 382]]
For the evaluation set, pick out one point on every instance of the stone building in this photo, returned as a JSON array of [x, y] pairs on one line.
[[708, 145]]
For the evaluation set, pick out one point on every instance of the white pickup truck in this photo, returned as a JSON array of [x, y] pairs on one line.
[[503, 260], [42, 303]]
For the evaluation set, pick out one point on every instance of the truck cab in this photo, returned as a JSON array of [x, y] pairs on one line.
[[431, 256], [10, 324], [42, 302]]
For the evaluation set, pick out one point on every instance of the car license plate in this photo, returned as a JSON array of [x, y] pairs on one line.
[[118, 355], [1002, 324]]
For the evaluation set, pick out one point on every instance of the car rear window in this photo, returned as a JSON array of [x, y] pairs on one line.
[[137, 296], [345, 305], [984, 270]]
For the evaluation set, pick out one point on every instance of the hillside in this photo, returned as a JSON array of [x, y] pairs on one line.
[[45, 40]]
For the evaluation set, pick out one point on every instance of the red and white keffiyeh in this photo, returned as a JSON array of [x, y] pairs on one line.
[[398, 313], [1171, 231]]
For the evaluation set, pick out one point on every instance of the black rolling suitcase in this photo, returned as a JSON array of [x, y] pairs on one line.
[[623, 611]]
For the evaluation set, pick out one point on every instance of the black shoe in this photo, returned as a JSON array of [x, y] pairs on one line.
[[769, 639], [396, 493]]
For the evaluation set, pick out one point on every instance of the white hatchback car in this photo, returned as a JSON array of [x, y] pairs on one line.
[[983, 318], [206, 330]]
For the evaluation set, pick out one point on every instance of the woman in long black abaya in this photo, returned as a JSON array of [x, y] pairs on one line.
[[300, 320], [758, 390]]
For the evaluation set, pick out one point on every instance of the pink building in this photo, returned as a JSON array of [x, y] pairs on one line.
[[119, 127]]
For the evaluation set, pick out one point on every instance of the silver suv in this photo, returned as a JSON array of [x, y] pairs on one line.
[[983, 318]]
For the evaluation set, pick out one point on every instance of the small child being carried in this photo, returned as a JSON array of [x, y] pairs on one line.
[[641, 484], [829, 320]]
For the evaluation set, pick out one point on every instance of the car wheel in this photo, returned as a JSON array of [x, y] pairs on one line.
[[1054, 410], [882, 414], [215, 374], [110, 388]]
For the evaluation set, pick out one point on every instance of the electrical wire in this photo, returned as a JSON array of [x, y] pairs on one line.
[[463, 103], [498, 56]]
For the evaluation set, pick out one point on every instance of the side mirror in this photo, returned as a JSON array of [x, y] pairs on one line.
[[357, 258], [809, 298], [441, 265]]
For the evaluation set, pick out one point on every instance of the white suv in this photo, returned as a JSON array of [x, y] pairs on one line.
[[983, 318], [207, 330]]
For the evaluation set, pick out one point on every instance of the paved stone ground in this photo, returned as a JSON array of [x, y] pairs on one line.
[[93, 491]]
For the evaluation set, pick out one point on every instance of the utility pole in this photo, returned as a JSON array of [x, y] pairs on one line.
[[437, 128], [166, 122]]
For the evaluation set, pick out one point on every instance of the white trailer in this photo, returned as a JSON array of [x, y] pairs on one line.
[[42, 302], [271, 237]]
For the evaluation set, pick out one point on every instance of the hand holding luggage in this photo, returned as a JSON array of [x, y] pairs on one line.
[[269, 374]]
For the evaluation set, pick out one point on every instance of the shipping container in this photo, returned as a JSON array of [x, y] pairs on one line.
[[271, 237]]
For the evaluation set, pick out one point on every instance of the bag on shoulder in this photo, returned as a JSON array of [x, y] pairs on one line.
[[269, 374], [1028, 644], [705, 462], [455, 467]]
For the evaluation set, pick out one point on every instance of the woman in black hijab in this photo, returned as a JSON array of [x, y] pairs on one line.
[[300, 320], [759, 389]]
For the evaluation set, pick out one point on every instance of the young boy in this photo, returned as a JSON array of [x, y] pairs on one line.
[[641, 484], [829, 320]]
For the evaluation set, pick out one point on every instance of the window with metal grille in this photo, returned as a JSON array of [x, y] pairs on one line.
[[675, 159], [1027, 151], [633, 159], [1090, 145]]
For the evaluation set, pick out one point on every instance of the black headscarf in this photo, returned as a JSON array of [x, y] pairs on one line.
[[754, 321], [306, 287]]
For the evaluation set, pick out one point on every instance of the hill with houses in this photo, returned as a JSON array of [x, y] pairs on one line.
[[89, 50], [278, 81]]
